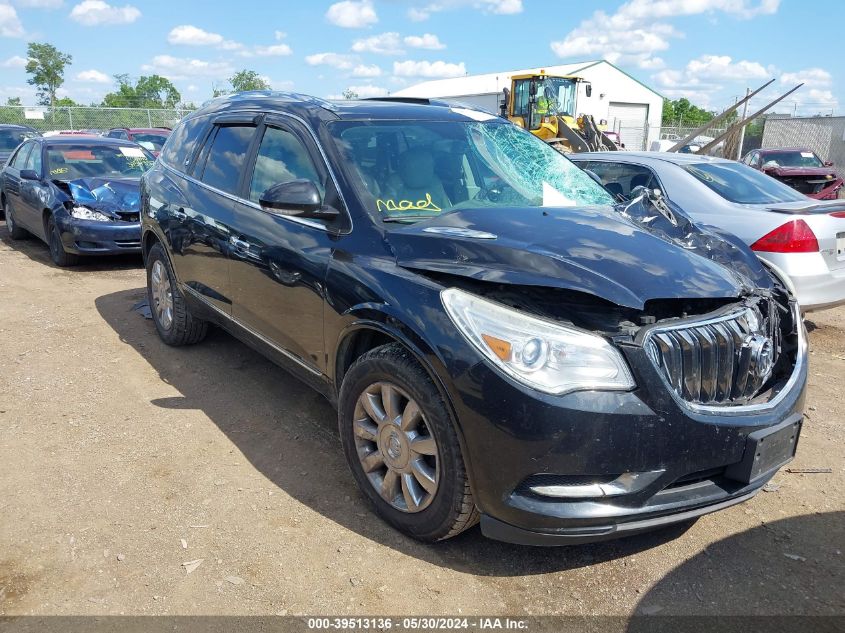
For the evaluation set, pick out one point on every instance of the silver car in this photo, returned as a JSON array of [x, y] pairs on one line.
[[802, 240]]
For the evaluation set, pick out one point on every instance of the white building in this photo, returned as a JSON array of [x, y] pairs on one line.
[[630, 107]]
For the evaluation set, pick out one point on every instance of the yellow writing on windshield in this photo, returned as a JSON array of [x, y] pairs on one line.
[[59, 170], [426, 204]]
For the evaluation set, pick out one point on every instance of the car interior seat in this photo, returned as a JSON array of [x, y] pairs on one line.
[[416, 179], [615, 190], [640, 180]]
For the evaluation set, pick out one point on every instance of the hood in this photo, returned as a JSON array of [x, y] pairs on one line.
[[800, 171], [627, 255], [106, 194]]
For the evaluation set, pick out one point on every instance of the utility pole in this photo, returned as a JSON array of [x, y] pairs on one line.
[[742, 129]]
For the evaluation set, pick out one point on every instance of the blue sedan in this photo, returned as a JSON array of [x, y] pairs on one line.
[[79, 195]]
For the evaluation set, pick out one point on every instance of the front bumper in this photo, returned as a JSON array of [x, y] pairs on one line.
[[513, 436], [87, 237], [830, 192]]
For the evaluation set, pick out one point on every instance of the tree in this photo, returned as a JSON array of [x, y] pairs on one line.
[[13, 101], [244, 80], [65, 102], [682, 112], [349, 94], [154, 91], [46, 67]]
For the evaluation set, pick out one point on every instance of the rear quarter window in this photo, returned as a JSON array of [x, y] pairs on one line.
[[179, 148]]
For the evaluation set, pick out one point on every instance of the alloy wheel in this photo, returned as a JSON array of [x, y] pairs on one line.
[[162, 295], [396, 449]]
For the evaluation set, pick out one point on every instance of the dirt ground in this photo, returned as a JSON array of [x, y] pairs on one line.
[[122, 459]]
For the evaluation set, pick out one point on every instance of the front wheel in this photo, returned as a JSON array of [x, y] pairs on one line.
[[402, 448], [58, 253]]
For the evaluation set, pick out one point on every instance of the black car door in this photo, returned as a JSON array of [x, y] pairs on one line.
[[32, 192], [279, 263], [200, 229], [12, 182]]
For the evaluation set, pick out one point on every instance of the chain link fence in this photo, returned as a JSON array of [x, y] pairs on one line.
[[92, 118], [823, 135]]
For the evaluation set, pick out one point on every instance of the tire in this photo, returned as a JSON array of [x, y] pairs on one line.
[[174, 322], [444, 508], [15, 231], [58, 253]]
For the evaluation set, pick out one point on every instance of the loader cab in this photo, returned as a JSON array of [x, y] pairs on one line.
[[536, 100]]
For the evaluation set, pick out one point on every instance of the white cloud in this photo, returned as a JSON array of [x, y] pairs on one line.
[[274, 50], [810, 77], [336, 60], [366, 71], [364, 92], [724, 68], [498, 7], [10, 24], [352, 14], [15, 61], [93, 76], [634, 33], [430, 70], [384, 44], [279, 35], [427, 41], [96, 12], [190, 35], [186, 68]]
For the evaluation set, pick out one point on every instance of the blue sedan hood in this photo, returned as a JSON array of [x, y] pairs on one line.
[[627, 255], [106, 194]]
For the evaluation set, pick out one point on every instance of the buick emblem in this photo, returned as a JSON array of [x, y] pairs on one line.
[[762, 354]]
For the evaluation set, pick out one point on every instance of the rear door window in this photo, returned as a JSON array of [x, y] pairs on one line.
[[179, 148], [226, 157]]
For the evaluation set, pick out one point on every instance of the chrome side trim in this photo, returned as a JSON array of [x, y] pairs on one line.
[[800, 361], [257, 335]]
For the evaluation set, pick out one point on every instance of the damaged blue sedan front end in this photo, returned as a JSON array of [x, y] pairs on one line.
[[100, 216]]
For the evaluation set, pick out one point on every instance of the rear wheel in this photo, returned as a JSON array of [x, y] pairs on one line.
[[401, 445], [58, 253], [15, 231], [175, 323]]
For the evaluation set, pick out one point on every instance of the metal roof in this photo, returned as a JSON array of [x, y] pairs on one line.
[[494, 82]]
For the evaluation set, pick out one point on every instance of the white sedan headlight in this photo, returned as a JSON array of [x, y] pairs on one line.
[[84, 213], [542, 354]]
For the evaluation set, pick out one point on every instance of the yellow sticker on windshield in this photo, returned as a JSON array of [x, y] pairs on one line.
[[426, 204], [59, 170]]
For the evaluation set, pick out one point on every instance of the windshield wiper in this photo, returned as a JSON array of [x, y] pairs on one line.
[[401, 218]]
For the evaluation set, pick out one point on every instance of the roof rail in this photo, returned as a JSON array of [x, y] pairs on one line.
[[415, 100]]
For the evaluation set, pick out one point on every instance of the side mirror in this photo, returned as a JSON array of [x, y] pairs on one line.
[[588, 89], [299, 198], [504, 108], [828, 163], [29, 174]]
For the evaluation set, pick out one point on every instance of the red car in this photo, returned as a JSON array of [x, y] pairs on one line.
[[801, 169], [151, 138]]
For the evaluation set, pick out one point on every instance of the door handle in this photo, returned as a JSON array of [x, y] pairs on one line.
[[239, 244]]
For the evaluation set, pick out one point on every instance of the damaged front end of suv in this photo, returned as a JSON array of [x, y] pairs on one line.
[[626, 384]]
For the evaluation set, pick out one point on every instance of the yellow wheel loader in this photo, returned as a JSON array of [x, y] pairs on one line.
[[546, 105]]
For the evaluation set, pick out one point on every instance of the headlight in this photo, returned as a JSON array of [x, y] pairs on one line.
[[84, 213], [549, 357]]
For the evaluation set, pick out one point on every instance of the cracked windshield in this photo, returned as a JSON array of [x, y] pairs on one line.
[[414, 170]]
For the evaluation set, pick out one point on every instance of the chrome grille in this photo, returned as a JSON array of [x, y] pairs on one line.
[[719, 361]]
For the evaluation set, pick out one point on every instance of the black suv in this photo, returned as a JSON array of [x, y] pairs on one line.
[[500, 341]]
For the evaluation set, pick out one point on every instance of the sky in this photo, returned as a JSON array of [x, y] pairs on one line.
[[708, 51]]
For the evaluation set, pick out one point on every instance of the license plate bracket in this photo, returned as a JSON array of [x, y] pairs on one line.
[[766, 451]]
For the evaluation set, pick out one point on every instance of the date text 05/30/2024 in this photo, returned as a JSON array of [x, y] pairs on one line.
[[416, 624]]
